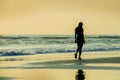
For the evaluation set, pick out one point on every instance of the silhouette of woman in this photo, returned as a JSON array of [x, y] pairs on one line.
[[80, 75], [79, 39]]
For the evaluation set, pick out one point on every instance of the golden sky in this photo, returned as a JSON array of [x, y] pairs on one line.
[[59, 16]]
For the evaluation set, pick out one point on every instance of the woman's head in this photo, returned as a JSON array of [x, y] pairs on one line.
[[80, 23]]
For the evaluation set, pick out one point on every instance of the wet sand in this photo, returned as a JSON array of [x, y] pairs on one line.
[[93, 66]]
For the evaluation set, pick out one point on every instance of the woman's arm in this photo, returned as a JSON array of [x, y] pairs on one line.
[[83, 38], [75, 36]]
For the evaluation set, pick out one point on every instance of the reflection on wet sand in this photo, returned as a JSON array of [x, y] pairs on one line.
[[80, 75]]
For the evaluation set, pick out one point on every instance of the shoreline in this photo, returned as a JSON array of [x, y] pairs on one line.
[[63, 61]]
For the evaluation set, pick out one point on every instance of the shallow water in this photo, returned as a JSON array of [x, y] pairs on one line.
[[13, 45]]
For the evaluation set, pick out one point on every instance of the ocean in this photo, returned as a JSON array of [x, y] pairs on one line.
[[14, 45]]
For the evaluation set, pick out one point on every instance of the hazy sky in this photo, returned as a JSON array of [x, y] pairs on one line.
[[59, 16]]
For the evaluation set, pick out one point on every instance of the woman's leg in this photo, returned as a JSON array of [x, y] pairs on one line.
[[77, 50], [80, 50]]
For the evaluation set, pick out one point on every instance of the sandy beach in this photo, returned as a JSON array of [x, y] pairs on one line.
[[94, 65]]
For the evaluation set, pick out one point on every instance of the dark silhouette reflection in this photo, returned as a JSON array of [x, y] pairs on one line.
[[79, 39], [80, 75]]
